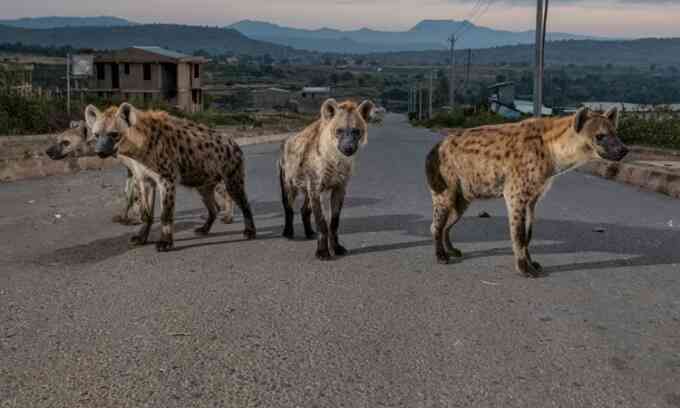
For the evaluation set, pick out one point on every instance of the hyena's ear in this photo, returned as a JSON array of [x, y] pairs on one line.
[[366, 109], [329, 109], [613, 115], [580, 119], [128, 114], [91, 115]]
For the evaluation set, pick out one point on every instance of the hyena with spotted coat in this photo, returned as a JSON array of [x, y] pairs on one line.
[[162, 150], [518, 162], [318, 163]]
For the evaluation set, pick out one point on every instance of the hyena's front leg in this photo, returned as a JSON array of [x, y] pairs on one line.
[[337, 200], [288, 194], [166, 187], [132, 197], [306, 214], [322, 251], [147, 192], [517, 213]]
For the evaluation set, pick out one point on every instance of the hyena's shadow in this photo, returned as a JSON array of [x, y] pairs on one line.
[[101, 249], [633, 246]]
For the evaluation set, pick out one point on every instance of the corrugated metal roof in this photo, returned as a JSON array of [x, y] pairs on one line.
[[164, 52], [316, 89]]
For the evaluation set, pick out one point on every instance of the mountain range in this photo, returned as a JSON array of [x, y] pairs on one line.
[[55, 22], [183, 38], [426, 35]]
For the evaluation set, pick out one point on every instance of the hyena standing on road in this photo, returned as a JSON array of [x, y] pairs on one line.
[[162, 150], [77, 141], [516, 161], [318, 163]]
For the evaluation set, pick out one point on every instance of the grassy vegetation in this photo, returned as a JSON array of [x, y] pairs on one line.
[[460, 119], [660, 128]]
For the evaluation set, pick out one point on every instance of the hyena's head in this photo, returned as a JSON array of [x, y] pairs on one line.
[[345, 124], [597, 133], [73, 142], [110, 127]]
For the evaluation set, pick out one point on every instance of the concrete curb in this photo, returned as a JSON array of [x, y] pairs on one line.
[[648, 178], [13, 170]]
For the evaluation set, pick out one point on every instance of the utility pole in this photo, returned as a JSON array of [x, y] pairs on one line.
[[420, 102], [452, 72], [467, 70], [68, 84], [541, 20], [429, 112]]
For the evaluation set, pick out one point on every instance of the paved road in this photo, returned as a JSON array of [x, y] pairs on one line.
[[85, 321]]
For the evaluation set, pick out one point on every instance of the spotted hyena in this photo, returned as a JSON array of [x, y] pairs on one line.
[[161, 150], [518, 162], [77, 141], [318, 162]]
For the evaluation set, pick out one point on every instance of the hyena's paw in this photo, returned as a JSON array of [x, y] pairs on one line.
[[227, 219], [288, 233], [164, 245], [340, 250], [123, 220], [455, 252], [529, 269], [137, 240], [204, 230], [442, 258], [323, 255], [249, 233]]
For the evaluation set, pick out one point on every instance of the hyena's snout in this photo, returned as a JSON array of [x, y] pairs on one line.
[[613, 148], [55, 152], [348, 144], [105, 146]]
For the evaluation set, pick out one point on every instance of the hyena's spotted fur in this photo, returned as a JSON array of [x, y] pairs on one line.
[[162, 150], [515, 161], [318, 162]]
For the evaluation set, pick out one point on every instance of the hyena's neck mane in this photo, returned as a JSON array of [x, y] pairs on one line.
[[139, 138], [563, 144]]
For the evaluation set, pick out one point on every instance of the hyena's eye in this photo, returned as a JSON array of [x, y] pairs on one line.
[[114, 135], [355, 133], [600, 137], [65, 143], [339, 132]]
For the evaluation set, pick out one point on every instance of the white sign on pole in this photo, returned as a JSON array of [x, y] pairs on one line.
[[82, 65]]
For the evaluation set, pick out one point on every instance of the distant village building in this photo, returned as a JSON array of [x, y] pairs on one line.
[[151, 74], [316, 92], [16, 77], [503, 101], [271, 98]]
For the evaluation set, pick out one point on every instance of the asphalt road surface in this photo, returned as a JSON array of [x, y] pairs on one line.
[[221, 322]]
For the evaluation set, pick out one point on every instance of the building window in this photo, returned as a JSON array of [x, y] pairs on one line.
[[147, 72], [126, 69], [197, 70], [194, 96], [101, 73]]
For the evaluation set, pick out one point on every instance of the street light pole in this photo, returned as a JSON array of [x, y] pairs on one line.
[[538, 63], [452, 72]]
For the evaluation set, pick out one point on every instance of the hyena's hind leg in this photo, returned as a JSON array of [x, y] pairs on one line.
[[531, 216], [458, 205], [235, 186], [441, 208], [225, 203], [132, 203], [208, 197], [306, 213], [288, 195]]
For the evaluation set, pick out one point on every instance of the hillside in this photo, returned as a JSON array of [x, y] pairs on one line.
[[426, 35], [177, 37], [650, 51], [54, 22]]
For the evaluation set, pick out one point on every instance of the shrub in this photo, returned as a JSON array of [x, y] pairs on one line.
[[659, 128]]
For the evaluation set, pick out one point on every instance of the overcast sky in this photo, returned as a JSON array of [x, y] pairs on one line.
[[616, 18]]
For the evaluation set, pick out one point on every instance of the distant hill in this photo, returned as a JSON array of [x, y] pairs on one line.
[[426, 35], [55, 22], [643, 52], [177, 37]]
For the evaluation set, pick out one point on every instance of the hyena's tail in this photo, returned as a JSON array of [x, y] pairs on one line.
[[433, 170]]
